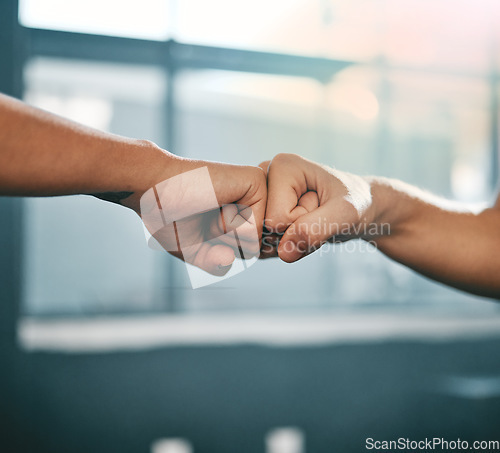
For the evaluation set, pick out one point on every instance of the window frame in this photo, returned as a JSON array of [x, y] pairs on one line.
[[173, 57]]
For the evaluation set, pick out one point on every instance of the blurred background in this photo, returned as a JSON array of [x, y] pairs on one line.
[[105, 346]]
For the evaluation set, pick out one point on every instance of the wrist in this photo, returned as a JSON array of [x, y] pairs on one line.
[[392, 209], [134, 167], [148, 165], [380, 213]]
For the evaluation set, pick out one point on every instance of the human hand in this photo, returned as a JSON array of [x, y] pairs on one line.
[[309, 204], [204, 212]]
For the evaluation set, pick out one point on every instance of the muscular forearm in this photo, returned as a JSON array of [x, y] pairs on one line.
[[444, 242], [42, 154]]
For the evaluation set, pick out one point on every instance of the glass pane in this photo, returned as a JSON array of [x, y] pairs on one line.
[[147, 19], [83, 255]]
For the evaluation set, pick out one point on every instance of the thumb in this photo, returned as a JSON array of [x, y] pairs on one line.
[[312, 230]]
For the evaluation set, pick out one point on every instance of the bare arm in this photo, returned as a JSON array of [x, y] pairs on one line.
[[42, 154], [452, 245], [310, 204]]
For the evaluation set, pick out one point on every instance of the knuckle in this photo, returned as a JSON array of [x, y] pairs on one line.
[[271, 222], [284, 158], [256, 172], [260, 174], [276, 223]]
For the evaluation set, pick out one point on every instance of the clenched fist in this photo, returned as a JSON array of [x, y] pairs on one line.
[[310, 204]]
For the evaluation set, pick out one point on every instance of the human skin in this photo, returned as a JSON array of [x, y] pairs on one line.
[[42, 154], [309, 204]]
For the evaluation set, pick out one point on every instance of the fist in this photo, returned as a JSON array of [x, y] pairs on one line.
[[309, 204]]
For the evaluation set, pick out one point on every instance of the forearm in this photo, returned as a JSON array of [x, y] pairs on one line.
[[42, 154], [455, 246]]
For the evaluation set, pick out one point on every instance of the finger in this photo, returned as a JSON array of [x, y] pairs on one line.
[[312, 230], [309, 201], [243, 249], [215, 259], [237, 217], [287, 183], [235, 227], [256, 200], [245, 185]]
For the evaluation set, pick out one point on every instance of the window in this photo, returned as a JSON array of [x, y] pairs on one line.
[[422, 113]]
